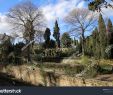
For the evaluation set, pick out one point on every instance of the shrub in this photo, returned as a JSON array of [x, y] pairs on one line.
[[85, 60], [105, 69]]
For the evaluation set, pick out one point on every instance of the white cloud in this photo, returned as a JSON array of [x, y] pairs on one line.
[[81, 4], [53, 12], [107, 12], [61, 9], [4, 26]]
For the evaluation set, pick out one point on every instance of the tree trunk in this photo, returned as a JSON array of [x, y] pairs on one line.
[[28, 54], [58, 43], [83, 43]]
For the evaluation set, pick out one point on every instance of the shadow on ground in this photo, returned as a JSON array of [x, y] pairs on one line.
[[8, 80]]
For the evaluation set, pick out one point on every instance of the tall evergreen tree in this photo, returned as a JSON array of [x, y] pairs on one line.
[[47, 37], [96, 44], [102, 36], [110, 32], [110, 39], [87, 40], [89, 46], [56, 34]]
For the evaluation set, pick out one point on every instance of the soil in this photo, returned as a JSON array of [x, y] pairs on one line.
[[8, 80], [105, 77]]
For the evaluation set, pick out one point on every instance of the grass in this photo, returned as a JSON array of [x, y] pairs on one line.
[[67, 68], [103, 61]]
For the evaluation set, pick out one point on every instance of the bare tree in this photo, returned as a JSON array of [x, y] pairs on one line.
[[28, 19], [79, 22]]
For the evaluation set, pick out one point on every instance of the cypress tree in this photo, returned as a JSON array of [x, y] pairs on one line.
[[102, 36], [47, 37], [89, 46], [56, 34], [96, 43], [110, 39], [110, 32]]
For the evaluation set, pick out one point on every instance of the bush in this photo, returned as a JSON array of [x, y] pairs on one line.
[[105, 69], [68, 69], [85, 60], [62, 52]]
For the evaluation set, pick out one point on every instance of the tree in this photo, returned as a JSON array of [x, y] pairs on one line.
[[75, 42], [88, 45], [27, 18], [47, 37], [52, 44], [96, 43], [102, 36], [81, 21], [7, 48], [98, 4], [56, 34], [110, 32], [79, 46], [66, 40], [18, 54], [110, 39]]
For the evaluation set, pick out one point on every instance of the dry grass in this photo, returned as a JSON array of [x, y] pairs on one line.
[[104, 61]]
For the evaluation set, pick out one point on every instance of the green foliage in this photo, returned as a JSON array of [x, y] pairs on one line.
[[54, 55], [6, 49], [89, 46], [39, 48], [102, 36], [67, 68], [47, 38], [79, 46], [105, 69], [66, 40], [17, 48], [63, 52], [18, 53], [92, 45], [96, 44], [96, 5], [85, 60], [109, 39], [100, 40], [52, 44], [110, 32], [56, 34], [47, 34]]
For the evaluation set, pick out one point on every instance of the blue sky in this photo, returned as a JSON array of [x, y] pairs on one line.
[[54, 9]]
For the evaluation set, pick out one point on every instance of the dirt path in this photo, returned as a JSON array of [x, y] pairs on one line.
[[105, 77]]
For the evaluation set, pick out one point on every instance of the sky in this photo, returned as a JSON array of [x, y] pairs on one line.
[[53, 10]]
